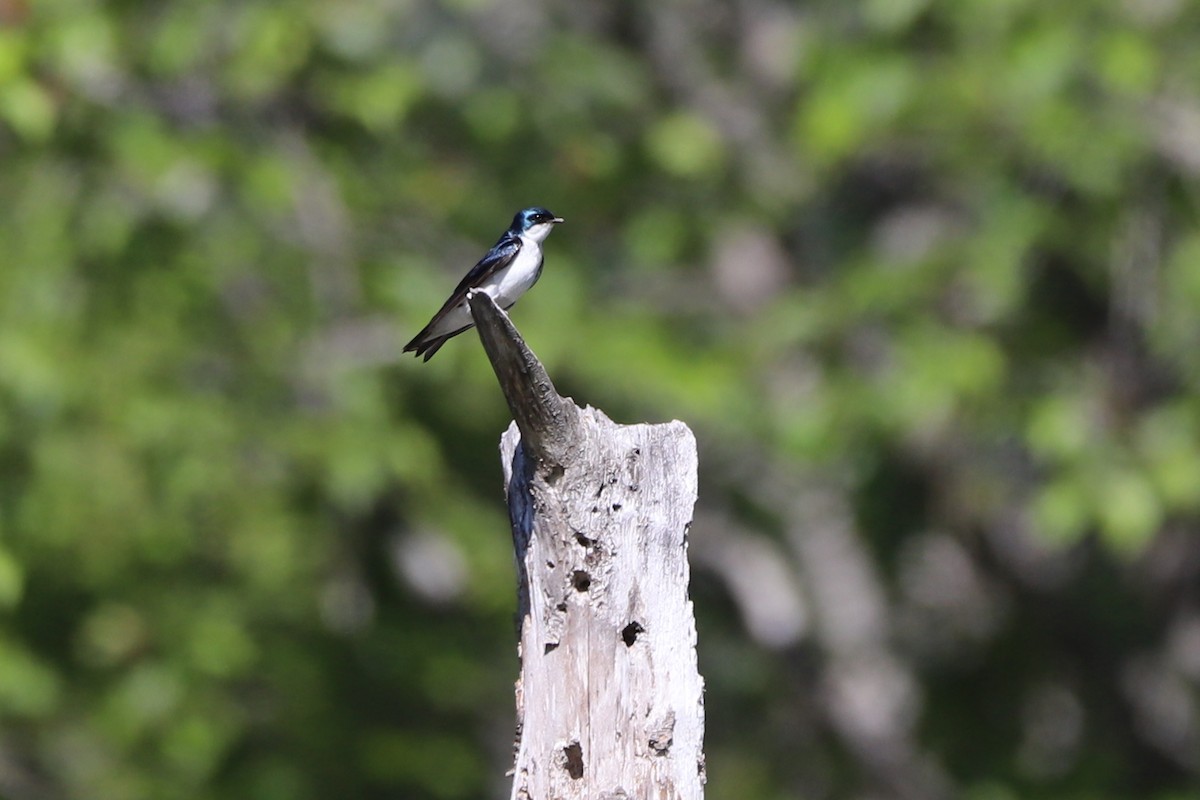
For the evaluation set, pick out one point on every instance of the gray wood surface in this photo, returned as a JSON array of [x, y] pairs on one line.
[[609, 700]]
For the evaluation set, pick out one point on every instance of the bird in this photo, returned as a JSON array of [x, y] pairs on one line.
[[506, 272]]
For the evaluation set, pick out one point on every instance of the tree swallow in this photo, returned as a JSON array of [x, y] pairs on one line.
[[507, 271]]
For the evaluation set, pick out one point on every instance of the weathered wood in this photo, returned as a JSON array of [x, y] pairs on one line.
[[547, 421], [609, 701]]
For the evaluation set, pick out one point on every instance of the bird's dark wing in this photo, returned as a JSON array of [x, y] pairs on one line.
[[499, 257]]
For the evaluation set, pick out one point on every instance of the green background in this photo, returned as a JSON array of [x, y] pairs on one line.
[[923, 276]]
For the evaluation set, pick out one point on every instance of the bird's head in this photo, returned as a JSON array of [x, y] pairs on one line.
[[535, 222]]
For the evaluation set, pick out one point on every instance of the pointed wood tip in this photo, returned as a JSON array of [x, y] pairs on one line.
[[548, 422]]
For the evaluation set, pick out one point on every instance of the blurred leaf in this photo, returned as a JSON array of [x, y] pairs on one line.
[[112, 633], [1061, 511], [271, 42], [1129, 511], [493, 115], [1167, 439], [893, 15], [656, 237], [379, 99], [1060, 427], [1129, 62], [28, 688], [849, 105], [685, 145], [13, 54], [12, 580], [28, 109]]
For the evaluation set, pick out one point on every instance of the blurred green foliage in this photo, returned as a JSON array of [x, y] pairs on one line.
[[943, 254]]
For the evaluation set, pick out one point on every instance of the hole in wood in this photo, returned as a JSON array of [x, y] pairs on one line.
[[630, 633], [581, 580], [550, 648], [663, 735], [616, 506], [584, 541], [554, 475], [574, 760]]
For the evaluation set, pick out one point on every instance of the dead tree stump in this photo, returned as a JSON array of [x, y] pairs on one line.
[[609, 700]]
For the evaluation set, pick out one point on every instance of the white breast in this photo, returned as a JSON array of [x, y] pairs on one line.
[[510, 283]]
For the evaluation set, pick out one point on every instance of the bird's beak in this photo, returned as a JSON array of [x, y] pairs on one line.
[[557, 220]]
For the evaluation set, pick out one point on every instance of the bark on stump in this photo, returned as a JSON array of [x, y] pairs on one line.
[[609, 701]]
